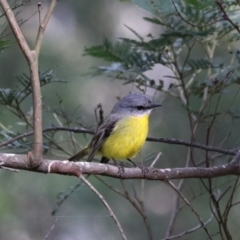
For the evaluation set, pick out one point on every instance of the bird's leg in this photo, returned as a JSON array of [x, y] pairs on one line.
[[144, 169], [104, 160], [120, 167], [135, 164]]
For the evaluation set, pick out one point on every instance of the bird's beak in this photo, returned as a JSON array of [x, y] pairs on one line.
[[154, 105]]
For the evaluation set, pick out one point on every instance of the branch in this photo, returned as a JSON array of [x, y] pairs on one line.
[[20, 162], [50, 129], [192, 24], [32, 59], [43, 25], [135, 204], [191, 207], [150, 139], [195, 145], [16, 30], [199, 226], [51, 229], [106, 205], [35, 157], [225, 16], [236, 159]]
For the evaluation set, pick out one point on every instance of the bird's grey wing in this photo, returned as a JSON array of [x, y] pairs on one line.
[[101, 135]]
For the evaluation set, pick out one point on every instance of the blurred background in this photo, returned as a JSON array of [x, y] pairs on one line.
[[27, 199]]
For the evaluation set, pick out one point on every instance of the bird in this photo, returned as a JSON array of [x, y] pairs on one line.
[[123, 133]]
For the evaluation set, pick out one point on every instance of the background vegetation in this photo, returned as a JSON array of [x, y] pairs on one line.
[[182, 53]]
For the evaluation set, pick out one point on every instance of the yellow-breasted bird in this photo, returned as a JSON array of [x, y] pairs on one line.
[[124, 131]]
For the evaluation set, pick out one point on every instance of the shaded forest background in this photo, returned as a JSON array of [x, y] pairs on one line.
[[27, 199]]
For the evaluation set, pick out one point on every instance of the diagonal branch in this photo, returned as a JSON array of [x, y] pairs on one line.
[[225, 15], [106, 205], [192, 24], [43, 25], [191, 207], [179, 235], [16, 30]]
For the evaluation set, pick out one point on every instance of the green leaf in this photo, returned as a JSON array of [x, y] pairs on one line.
[[7, 96], [4, 44], [108, 52], [154, 20]]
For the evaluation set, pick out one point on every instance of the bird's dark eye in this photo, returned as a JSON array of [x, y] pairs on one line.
[[140, 107]]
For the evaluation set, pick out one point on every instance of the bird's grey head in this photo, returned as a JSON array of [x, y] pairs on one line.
[[136, 104]]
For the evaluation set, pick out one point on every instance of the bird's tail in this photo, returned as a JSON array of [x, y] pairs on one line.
[[79, 155]]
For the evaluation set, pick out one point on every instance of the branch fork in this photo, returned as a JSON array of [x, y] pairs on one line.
[[35, 158]]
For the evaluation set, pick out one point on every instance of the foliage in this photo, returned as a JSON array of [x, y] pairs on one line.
[[195, 27], [194, 44], [4, 44], [10, 97], [13, 99]]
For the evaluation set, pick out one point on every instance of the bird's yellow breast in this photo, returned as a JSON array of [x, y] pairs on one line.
[[127, 138]]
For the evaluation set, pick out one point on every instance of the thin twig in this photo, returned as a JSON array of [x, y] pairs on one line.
[[225, 16], [10, 169], [177, 200], [189, 230], [134, 204], [236, 159], [192, 24], [190, 206], [51, 229], [189, 144], [150, 139], [30, 133], [63, 197], [39, 12], [43, 25], [106, 205], [156, 159]]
